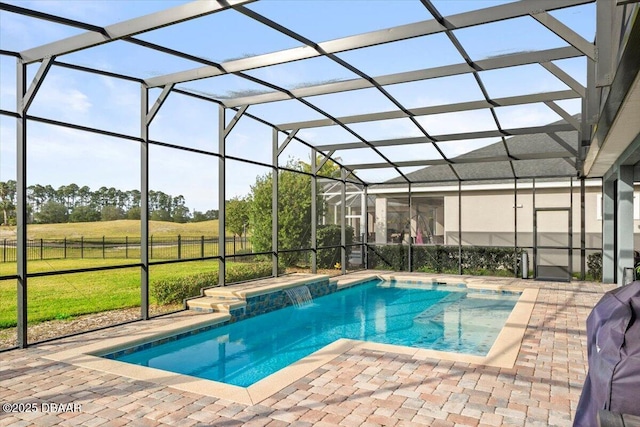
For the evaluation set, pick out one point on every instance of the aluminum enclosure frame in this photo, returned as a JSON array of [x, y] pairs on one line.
[[49, 55]]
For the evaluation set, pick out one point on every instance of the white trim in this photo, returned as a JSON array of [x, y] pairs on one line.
[[403, 188]]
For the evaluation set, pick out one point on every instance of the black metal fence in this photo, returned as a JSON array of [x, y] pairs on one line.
[[165, 247]]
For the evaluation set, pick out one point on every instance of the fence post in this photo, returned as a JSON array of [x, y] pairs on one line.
[[103, 247], [81, 247], [126, 247], [179, 247], [41, 249], [150, 247], [4, 250], [234, 244], [65, 248], [201, 246]]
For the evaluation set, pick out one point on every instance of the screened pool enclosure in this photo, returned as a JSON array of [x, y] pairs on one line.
[[328, 137]]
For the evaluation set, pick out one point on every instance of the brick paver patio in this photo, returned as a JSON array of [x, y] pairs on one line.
[[357, 388]]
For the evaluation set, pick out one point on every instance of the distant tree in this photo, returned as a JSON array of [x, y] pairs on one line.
[[111, 213], [51, 194], [179, 212], [133, 199], [107, 203], [84, 193], [294, 208], [206, 216], [68, 195], [52, 212], [160, 206], [133, 213], [198, 217], [260, 215], [160, 215], [294, 212], [237, 215], [8, 200], [36, 196], [84, 213]]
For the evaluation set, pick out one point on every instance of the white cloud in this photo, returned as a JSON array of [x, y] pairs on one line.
[[458, 122], [59, 94], [526, 116]]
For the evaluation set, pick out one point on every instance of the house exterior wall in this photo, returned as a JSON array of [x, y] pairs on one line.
[[488, 217]]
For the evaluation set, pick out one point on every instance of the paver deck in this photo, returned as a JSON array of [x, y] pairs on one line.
[[359, 387]]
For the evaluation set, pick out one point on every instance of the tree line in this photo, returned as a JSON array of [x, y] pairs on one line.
[[244, 216], [72, 203]]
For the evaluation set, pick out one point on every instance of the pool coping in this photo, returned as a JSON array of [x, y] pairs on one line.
[[502, 354]]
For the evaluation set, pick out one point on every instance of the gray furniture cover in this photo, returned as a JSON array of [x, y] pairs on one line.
[[613, 339]]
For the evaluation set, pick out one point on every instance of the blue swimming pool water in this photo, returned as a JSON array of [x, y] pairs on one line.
[[412, 315]]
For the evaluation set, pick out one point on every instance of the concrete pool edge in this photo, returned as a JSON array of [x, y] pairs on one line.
[[503, 354]]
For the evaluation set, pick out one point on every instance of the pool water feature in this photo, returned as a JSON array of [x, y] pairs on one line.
[[299, 296], [415, 315]]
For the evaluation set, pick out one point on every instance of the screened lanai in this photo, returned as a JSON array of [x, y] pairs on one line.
[[359, 134]]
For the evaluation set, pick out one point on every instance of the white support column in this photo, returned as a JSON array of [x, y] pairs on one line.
[[413, 220], [222, 235], [381, 220], [363, 216], [314, 212], [608, 230], [21, 208], [343, 220], [145, 120], [365, 221], [274, 202], [624, 221]]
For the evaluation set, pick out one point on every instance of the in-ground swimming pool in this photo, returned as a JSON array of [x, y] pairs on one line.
[[408, 314]]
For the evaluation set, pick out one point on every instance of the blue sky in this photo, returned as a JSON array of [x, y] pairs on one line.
[[60, 156]]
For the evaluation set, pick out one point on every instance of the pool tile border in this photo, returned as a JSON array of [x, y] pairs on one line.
[[503, 353]]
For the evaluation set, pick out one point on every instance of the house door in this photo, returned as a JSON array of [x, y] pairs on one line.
[[552, 245]]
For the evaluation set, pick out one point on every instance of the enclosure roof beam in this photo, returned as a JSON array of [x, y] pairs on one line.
[[566, 33], [156, 105], [51, 18], [259, 120], [235, 120], [437, 109], [326, 158], [560, 127], [274, 25], [387, 35], [470, 160], [565, 78], [563, 113], [286, 142], [494, 63], [36, 83], [564, 144], [129, 28]]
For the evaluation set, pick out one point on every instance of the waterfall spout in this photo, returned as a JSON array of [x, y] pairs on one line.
[[299, 296]]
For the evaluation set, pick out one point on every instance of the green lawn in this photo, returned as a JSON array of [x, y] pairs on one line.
[[118, 240], [69, 295]]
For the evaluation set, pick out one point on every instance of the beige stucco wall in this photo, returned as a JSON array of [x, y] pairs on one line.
[[491, 213], [488, 215]]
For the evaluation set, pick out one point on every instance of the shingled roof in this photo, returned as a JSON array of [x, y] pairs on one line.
[[501, 171]]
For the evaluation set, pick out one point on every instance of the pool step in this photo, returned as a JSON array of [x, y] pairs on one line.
[[215, 304], [228, 298]]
